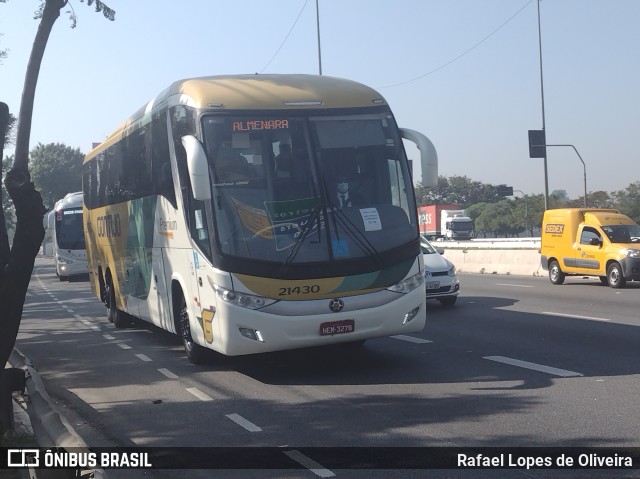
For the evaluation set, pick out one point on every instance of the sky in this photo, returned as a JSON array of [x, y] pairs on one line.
[[466, 73]]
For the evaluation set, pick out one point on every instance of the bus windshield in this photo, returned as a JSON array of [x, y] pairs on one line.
[[69, 233], [308, 188]]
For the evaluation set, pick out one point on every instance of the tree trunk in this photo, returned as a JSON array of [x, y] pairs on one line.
[[49, 16], [15, 277], [16, 272]]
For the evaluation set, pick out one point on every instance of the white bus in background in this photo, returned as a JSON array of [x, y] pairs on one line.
[[259, 213], [69, 251]]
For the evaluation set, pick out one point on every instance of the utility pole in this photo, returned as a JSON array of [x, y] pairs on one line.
[[546, 176], [318, 28]]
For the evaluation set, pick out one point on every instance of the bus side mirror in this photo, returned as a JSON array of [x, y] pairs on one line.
[[596, 242], [198, 168], [428, 156]]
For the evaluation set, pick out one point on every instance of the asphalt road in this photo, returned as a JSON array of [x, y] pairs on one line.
[[516, 362]]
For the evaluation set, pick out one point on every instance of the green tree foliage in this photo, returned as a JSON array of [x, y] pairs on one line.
[[628, 201], [459, 190], [522, 212], [10, 134], [7, 204], [4, 53], [56, 169], [499, 219], [560, 195]]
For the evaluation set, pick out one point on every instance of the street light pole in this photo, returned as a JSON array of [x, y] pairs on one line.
[[546, 176], [318, 28], [584, 167]]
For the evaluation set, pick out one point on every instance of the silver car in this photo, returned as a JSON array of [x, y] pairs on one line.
[[440, 275]]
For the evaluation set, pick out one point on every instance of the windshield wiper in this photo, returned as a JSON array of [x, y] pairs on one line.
[[355, 234], [315, 214]]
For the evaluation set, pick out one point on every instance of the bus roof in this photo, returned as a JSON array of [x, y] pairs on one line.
[[273, 91], [71, 200], [241, 92]]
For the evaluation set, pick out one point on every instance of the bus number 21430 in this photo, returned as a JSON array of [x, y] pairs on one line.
[[296, 290]]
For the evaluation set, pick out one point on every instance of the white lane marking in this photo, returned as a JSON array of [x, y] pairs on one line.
[[124, 346], [167, 373], [309, 463], [108, 336], [199, 394], [411, 339], [515, 285], [144, 358], [536, 367], [242, 422], [592, 318], [96, 328], [77, 316]]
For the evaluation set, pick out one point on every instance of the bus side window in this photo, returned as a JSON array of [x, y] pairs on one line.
[[160, 157]]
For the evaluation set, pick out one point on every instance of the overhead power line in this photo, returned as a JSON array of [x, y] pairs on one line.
[[287, 37], [462, 54]]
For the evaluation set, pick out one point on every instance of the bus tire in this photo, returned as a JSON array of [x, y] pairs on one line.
[[195, 353], [615, 276], [115, 316], [556, 276]]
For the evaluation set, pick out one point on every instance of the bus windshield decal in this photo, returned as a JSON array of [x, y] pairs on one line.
[[290, 220]]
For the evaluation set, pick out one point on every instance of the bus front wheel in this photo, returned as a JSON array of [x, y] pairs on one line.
[[195, 352]]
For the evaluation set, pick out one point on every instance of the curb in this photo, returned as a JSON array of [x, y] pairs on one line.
[[42, 417]]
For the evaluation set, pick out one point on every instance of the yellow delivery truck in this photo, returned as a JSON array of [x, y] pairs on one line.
[[590, 242]]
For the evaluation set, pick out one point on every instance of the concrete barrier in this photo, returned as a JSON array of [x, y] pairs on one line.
[[496, 261], [495, 256]]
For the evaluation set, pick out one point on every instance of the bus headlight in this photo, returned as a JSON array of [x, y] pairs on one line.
[[63, 261], [408, 284], [245, 300]]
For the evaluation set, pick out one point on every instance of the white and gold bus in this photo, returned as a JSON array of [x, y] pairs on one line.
[[256, 213], [68, 246]]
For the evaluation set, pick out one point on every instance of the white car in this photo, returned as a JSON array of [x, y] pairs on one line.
[[440, 275]]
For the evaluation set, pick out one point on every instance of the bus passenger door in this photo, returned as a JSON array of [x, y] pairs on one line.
[[155, 308]]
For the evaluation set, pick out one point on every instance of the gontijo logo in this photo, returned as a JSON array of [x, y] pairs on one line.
[[554, 228]]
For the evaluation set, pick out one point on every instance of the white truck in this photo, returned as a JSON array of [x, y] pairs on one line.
[[456, 225]]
